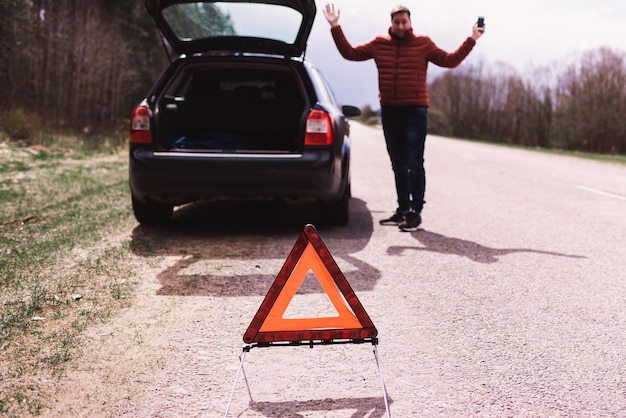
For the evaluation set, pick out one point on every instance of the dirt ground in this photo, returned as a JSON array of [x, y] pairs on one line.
[[494, 317], [176, 350]]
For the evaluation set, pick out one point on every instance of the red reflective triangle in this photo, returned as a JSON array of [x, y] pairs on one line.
[[309, 254]]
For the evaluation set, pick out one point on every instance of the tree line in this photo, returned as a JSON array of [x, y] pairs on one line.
[[76, 65], [579, 107]]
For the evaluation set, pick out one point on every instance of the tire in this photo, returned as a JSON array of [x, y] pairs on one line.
[[152, 213], [337, 213]]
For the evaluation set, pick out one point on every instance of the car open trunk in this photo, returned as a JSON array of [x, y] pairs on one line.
[[232, 107]]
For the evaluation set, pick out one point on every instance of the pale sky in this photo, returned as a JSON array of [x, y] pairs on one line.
[[523, 34]]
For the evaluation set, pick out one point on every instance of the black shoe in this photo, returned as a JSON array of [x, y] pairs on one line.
[[395, 219], [411, 222]]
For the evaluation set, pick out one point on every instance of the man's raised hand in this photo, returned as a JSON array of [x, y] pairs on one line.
[[331, 15]]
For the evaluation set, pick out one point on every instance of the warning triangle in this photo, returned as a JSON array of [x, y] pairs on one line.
[[309, 254]]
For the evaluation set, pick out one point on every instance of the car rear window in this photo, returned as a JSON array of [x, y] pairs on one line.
[[193, 21]]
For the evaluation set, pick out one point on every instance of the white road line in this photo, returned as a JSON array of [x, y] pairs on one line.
[[600, 192]]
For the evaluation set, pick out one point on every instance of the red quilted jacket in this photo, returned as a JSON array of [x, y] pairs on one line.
[[402, 64]]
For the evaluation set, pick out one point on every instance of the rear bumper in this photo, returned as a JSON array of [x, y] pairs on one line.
[[181, 177]]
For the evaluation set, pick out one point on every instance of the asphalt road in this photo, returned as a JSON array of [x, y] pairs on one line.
[[508, 301]]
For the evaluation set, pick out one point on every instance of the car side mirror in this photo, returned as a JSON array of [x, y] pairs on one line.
[[350, 111]]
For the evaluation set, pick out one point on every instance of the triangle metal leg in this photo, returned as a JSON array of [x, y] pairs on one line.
[[382, 380], [232, 393], [247, 348]]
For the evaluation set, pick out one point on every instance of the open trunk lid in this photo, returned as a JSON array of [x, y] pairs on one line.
[[273, 27]]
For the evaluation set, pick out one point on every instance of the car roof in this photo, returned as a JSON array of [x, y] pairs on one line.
[[274, 27]]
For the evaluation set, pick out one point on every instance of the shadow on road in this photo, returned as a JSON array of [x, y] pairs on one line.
[[441, 244], [235, 249], [364, 407]]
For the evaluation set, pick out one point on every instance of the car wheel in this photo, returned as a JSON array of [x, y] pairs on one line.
[[152, 213], [337, 213]]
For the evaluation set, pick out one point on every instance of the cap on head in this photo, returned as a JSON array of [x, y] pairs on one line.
[[400, 9]]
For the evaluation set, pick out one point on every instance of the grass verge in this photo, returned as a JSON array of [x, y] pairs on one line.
[[59, 270]]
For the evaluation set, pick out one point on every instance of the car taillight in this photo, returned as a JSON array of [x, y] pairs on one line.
[[140, 126], [319, 128]]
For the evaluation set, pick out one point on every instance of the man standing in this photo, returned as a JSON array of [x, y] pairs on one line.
[[402, 60]]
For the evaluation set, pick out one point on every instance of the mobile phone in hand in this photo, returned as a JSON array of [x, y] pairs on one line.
[[481, 23]]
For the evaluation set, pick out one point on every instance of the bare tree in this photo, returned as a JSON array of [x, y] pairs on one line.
[[77, 64], [581, 108], [592, 103]]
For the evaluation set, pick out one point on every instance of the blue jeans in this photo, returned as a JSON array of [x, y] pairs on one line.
[[405, 130]]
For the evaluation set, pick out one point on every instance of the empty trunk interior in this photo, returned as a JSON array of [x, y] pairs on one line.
[[227, 109]]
